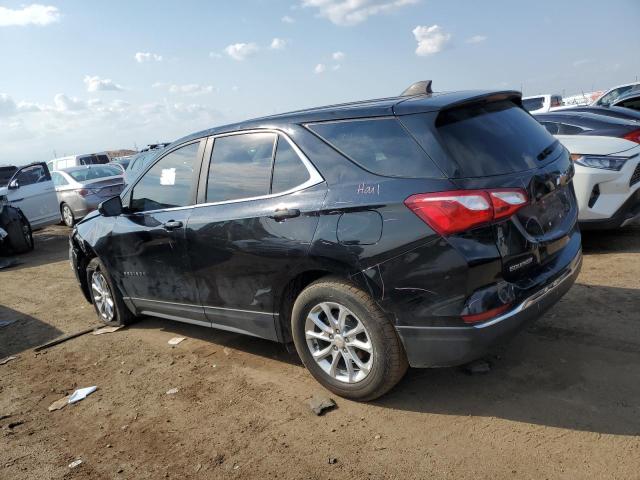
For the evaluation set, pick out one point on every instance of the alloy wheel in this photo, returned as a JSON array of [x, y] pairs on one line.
[[67, 215], [102, 296], [339, 342]]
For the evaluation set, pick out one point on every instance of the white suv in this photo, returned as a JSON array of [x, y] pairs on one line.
[[31, 189], [607, 180]]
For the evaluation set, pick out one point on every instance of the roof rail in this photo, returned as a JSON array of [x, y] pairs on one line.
[[422, 87]]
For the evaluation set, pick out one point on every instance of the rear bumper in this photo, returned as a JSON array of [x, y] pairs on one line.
[[451, 346]]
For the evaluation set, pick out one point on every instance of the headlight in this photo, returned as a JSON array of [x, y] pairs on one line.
[[595, 161]]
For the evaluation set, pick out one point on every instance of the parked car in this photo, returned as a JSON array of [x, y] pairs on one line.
[[614, 93], [138, 162], [15, 231], [541, 103], [122, 161], [31, 190], [423, 229], [630, 100], [77, 160], [569, 122], [613, 111], [607, 180], [81, 189]]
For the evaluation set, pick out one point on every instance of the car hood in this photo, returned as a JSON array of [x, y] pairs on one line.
[[3, 191], [596, 145], [89, 216]]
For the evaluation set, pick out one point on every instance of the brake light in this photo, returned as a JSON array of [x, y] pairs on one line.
[[83, 192], [633, 136], [459, 210]]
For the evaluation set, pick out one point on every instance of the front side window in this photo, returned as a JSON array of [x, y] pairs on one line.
[[288, 169], [31, 175], [240, 166], [168, 183], [611, 97], [381, 146]]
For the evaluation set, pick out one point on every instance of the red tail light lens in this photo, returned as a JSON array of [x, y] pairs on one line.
[[459, 210], [83, 192], [481, 317], [633, 136]]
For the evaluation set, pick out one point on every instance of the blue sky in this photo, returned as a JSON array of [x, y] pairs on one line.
[[71, 82]]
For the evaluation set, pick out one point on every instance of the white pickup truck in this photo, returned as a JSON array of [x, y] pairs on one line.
[[31, 189]]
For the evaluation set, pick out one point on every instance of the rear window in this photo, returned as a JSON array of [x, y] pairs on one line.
[[381, 146], [493, 139], [94, 173]]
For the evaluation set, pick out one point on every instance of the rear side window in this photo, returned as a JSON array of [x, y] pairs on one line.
[[240, 167], [493, 138], [381, 146], [531, 104], [288, 169]]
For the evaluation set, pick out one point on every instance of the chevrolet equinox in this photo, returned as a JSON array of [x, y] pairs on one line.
[[420, 230]]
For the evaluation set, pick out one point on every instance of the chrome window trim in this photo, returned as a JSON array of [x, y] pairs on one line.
[[314, 176]]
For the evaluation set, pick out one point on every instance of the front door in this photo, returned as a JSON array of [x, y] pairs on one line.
[[148, 243], [31, 189], [253, 229]]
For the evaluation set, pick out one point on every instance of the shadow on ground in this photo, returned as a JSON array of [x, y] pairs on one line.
[[51, 245], [622, 240], [24, 333]]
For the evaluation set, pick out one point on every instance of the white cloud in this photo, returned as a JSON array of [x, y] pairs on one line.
[[63, 103], [278, 44], [8, 106], [337, 56], [147, 57], [335, 67], [581, 62], [320, 68], [476, 39], [352, 12], [34, 14], [214, 55], [287, 19], [240, 51], [97, 84], [430, 39], [191, 89]]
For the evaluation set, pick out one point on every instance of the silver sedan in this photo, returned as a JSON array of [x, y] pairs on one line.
[[81, 189]]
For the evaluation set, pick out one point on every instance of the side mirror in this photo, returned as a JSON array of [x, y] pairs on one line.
[[111, 207], [14, 184]]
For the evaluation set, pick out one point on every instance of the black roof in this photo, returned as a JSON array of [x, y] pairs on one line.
[[401, 105]]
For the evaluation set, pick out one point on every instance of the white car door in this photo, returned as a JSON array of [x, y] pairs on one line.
[[32, 190]]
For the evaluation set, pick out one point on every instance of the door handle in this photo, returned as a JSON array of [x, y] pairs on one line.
[[172, 225], [282, 214]]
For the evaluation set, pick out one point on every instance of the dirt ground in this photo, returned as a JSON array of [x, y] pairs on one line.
[[563, 400]]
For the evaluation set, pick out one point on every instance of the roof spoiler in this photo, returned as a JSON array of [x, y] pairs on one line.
[[422, 87]]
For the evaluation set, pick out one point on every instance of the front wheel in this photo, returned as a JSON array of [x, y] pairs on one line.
[[106, 298], [346, 341]]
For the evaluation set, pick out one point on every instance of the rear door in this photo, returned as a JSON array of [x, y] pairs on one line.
[[147, 246], [35, 195], [252, 228]]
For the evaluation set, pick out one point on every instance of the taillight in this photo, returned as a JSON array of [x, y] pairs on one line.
[[481, 317], [633, 136], [459, 210], [83, 192]]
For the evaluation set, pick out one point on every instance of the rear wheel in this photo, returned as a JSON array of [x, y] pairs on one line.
[[106, 298], [346, 341], [67, 215]]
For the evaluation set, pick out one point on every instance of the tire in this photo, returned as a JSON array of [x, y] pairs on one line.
[[119, 312], [68, 218], [20, 235], [383, 367]]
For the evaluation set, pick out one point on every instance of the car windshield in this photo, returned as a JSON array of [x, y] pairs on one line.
[[531, 104], [93, 173]]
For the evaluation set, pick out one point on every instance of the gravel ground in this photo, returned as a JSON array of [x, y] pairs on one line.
[[562, 401]]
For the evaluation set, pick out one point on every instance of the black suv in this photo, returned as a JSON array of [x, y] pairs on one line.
[[417, 230]]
